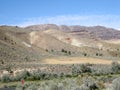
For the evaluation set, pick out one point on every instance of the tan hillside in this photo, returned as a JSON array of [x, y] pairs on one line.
[[42, 43]]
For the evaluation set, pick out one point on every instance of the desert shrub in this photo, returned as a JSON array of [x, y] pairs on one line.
[[101, 85], [40, 75], [101, 70], [84, 87], [1, 61], [100, 54], [5, 78], [19, 87], [62, 50], [85, 54], [61, 86], [26, 58], [62, 75], [12, 78], [5, 38], [24, 87], [32, 87], [85, 68], [47, 76], [65, 51], [69, 52], [46, 50], [8, 67], [115, 67], [22, 75], [115, 84], [52, 50], [97, 54], [35, 76], [90, 83], [76, 70], [54, 87]]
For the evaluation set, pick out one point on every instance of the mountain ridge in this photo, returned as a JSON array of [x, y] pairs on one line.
[[98, 31]]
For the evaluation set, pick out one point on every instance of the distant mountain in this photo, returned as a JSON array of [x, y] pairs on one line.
[[82, 31], [99, 31], [43, 27]]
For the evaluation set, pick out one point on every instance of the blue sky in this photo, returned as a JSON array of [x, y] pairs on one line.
[[69, 12]]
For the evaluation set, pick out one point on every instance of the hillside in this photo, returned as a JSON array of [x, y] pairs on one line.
[[15, 47], [40, 43]]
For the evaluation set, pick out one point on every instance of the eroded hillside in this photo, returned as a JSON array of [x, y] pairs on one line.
[[40, 43]]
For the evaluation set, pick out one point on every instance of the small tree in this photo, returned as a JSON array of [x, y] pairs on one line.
[[69, 52], [46, 50], [65, 51], [85, 54], [62, 50], [97, 54]]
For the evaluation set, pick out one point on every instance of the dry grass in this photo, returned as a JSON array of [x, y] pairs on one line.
[[113, 41], [76, 60]]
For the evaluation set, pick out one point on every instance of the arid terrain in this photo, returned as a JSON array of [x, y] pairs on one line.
[[77, 60], [52, 44], [53, 49]]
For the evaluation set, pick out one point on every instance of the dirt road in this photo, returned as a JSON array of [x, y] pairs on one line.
[[77, 60]]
